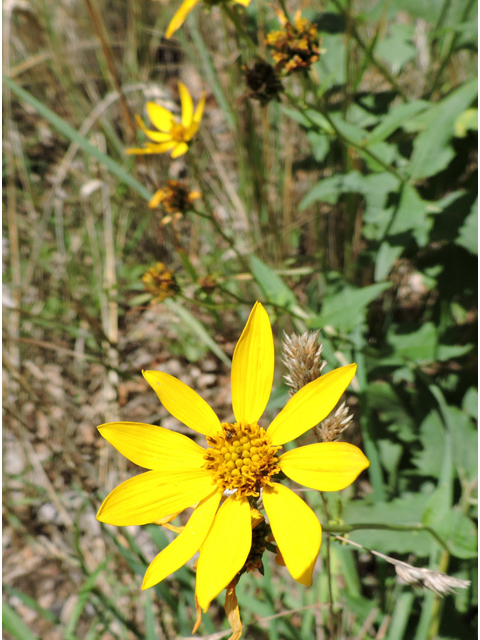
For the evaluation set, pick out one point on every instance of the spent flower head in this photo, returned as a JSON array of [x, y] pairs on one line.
[[185, 8], [295, 47], [160, 282], [172, 135], [174, 197], [242, 460], [263, 82]]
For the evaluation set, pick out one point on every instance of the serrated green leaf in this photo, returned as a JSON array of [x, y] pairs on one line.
[[395, 118], [386, 257], [458, 531], [411, 215]]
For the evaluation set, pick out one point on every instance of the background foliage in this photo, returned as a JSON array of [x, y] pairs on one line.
[[347, 206]]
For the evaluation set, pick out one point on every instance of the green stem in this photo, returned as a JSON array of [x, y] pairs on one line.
[[346, 140], [233, 16], [348, 528]]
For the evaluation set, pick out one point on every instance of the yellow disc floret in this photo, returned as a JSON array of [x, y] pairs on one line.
[[241, 457]]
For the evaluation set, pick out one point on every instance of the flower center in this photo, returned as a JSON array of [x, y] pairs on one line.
[[178, 132], [241, 457]]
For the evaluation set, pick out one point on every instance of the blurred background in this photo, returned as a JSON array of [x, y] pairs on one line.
[[345, 201]]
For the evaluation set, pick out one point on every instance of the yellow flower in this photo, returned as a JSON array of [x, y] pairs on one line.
[[172, 135], [174, 197], [241, 460], [296, 46], [183, 11], [160, 282]]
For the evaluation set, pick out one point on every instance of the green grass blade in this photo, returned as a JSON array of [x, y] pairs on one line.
[[71, 133], [198, 329], [12, 623]]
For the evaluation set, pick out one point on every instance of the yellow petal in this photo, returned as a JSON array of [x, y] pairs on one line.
[[153, 447], [185, 545], [179, 17], [296, 530], [162, 147], [187, 105], [162, 118], [153, 495], [326, 466], [180, 150], [156, 136], [183, 403], [232, 611], [197, 117], [225, 549], [310, 405], [138, 151], [244, 2], [157, 198], [252, 367]]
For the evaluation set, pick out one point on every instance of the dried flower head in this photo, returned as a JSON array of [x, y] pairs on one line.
[[207, 283], [330, 429], [263, 82], [436, 581], [295, 47], [174, 197], [160, 282], [302, 355]]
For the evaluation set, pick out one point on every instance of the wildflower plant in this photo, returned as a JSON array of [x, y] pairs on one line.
[[241, 464], [296, 46]]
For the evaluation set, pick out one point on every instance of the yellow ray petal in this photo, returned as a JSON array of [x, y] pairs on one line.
[[185, 545], [244, 2], [187, 105], [326, 466], [162, 118], [153, 447], [179, 17], [156, 136], [180, 150], [252, 367], [162, 147], [138, 151], [225, 549], [197, 117], [310, 405], [157, 198], [296, 530], [183, 403], [153, 495]]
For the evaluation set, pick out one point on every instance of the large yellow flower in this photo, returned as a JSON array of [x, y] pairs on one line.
[[183, 11], [241, 460], [172, 135]]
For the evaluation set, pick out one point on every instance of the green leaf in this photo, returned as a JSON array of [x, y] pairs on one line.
[[401, 511], [464, 443], [274, 288], [468, 234], [470, 402], [418, 346], [73, 135], [346, 309], [458, 531], [432, 436], [386, 257], [197, 329], [431, 151], [83, 596], [397, 48], [466, 121], [447, 352], [411, 215], [12, 623], [395, 118]]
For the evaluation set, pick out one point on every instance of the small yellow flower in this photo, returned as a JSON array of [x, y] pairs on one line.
[[183, 11], [296, 46], [242, 459], [160, 282], [172, 135]]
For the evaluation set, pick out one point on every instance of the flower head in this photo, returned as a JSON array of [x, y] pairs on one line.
[[172, 135], [295, 47], [174, 198], [185, 8], [241, 460], [160, 282], [263, 82]]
